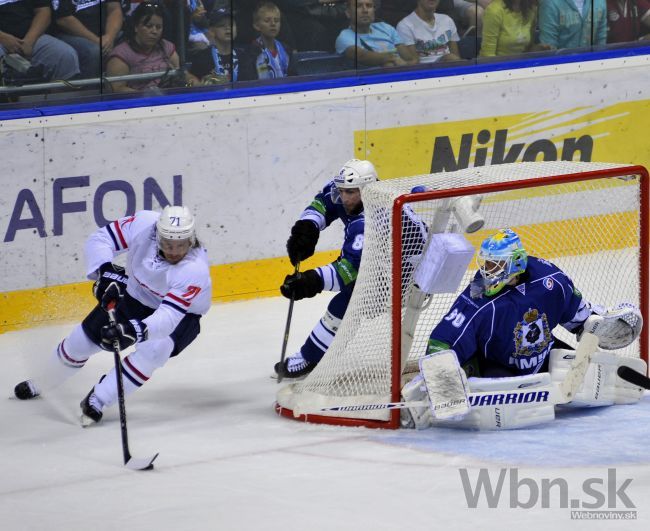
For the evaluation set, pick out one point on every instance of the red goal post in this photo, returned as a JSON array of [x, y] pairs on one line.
[[591, 219]]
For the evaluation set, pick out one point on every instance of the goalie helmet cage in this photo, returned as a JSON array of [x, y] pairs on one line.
[[590, 219]]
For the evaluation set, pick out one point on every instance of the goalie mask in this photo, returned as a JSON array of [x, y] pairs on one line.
[[354, 174], [175, 233], [501, 258]]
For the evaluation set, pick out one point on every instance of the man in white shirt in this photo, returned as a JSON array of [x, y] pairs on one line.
[[432, 36]]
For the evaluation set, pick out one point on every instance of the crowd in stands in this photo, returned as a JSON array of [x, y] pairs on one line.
[[213, 42]]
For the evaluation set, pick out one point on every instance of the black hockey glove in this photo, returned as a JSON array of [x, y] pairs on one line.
[[302, 242], [127, 333], [302, 285], [109, 273]]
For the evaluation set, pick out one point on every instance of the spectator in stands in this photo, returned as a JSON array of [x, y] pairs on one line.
[[90, 27], [266, 57], [430, 35], [219, 63], [628, 20], [22, 31], [572, 23], [198, 31], [470, 14], [372, 43], [144, 50], [509, 28]]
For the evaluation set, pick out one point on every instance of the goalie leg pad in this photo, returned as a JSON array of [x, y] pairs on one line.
[[416, 417], [507, 403], [601, 385]]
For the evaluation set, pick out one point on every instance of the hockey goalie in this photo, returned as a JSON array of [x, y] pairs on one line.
[[493, 361]]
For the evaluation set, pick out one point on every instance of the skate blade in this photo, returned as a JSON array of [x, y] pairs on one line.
[[86, 421]]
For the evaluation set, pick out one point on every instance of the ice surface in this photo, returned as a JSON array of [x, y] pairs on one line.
[[227, 462]]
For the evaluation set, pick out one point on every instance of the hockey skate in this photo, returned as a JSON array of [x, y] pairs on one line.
[[26, 390], [91, 409], [294, 367]]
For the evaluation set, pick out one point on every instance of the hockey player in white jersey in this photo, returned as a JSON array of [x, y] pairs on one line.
[[161, 297]]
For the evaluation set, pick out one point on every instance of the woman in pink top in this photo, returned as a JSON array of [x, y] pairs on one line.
[[143, 51]]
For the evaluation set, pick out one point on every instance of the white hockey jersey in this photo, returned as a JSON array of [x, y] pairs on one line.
[[171, 290]]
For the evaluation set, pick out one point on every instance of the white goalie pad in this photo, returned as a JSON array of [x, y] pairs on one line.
[[442, 384], [620, 326], [446, 384], [601, 385], [507, 403], [443, 264]]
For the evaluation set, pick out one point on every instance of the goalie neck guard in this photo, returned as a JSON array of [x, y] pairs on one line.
[[502, 257]]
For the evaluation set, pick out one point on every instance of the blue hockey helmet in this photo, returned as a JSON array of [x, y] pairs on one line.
[[501, 258]]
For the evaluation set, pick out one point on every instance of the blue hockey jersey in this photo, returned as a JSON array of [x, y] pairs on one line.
[[511, 329], [323, 211]]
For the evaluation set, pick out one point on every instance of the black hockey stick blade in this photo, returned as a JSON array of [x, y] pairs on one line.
[[135, 463], [634, 377]]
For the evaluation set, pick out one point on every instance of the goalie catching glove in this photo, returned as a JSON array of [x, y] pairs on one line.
[[126, 333], [109, 273], [619, 327], [302, 285], [302, 242]]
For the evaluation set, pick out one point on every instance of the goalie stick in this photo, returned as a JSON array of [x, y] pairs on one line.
[[134, 463], [634, 377], [568, 388]]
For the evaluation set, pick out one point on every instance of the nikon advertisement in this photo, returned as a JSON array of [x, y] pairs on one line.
[[248, 166]]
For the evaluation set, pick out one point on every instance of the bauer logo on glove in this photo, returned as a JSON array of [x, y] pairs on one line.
[[126, 333]]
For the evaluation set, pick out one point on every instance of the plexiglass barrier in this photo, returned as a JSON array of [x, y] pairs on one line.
[[71, 50]]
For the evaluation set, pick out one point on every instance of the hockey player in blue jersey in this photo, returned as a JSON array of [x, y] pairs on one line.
[[339, 199], [504, 318], [500, 330]]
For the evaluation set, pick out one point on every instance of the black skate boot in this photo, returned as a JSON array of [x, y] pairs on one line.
[[91, 409], [26, 390], [294, 367]]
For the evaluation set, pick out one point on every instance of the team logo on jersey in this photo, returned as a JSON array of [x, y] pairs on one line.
[[548, 283], [532, 334], [521, 288]]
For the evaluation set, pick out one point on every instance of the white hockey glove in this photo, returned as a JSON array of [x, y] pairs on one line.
[[620, 327], [443, 384]]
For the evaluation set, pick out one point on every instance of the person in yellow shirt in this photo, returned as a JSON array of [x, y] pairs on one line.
[[508, 28]]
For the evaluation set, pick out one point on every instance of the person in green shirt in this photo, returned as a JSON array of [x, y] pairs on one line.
[[508, 28]]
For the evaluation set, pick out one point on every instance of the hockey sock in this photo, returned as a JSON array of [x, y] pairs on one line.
[[137, 368], [68, 357]]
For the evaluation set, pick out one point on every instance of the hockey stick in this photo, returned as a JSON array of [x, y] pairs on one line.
[[587, 345], [133, 463], [286, 331], [568, 388], [634, 377]]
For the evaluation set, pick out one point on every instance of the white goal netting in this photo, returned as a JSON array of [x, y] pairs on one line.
[[587, 224]]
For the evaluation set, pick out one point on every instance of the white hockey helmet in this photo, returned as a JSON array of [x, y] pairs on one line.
[[356, 173], [176, 223]]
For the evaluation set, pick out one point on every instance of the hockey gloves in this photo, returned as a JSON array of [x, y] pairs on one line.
[[109, 274], [127, 333], [302, 242], [302, 285]]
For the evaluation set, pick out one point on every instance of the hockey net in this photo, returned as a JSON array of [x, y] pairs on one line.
[[590, 219]]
